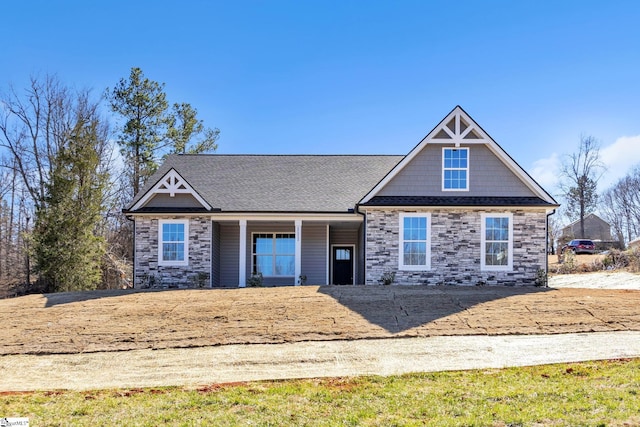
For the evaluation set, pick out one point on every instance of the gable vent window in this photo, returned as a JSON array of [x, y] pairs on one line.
[[455, 169]]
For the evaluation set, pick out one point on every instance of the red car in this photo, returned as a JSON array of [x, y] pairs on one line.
[[580, 246]]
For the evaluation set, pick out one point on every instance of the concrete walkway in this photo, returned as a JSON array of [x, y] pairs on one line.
[[231, 363]]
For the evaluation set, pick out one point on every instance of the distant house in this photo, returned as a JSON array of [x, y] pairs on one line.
[[595, 228], [456, 210], [634, 244]]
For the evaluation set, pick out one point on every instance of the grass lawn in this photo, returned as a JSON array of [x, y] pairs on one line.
[[580, 394]]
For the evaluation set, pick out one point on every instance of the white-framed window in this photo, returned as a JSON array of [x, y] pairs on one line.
[[497, 242], [415, 241], [274, 254], [173, 242], [455, 169]]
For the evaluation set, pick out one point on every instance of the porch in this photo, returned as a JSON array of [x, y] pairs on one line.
[[291, 252]]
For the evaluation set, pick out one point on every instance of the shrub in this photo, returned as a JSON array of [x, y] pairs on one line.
[[616, 259], [199, 280], [255, 281], [387, 278], [541, 278], [568, 264], [634, 260]]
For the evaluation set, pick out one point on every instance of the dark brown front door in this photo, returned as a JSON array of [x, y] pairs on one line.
[[342, 265]]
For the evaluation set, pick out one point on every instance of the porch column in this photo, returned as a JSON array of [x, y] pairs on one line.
[[242, 260], [298, 257]]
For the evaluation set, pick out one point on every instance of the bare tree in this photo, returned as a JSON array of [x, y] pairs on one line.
[[58, 151], [31, 130], [581, 172], [621, 206], [554, 231]]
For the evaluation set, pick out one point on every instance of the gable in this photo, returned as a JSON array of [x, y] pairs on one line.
[[170, 191], [488, 176], [490, 171]]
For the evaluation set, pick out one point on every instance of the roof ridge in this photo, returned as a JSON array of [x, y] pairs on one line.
[[284, 155]]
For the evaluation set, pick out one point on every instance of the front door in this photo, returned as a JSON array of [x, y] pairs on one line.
[[342, 265]]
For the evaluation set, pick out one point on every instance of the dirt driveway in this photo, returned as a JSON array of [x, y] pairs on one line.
[[111, 339], [104, 321]]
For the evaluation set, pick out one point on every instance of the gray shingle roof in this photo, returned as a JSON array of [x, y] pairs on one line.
[[278, 183]]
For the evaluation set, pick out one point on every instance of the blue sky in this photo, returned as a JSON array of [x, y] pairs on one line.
[[364, 77]]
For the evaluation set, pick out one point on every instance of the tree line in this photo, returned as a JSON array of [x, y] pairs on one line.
[[69, 162]]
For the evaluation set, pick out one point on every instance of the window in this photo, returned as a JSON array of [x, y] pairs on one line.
[[343, 255], [173, 243], [274, 254], [497, 242], [455, 169], [415, 241]]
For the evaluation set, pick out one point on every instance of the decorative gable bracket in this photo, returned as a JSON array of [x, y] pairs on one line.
[[456, 128], [171, 183]]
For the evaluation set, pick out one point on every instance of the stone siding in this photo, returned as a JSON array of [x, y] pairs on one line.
[[148, 274], [456, 248]]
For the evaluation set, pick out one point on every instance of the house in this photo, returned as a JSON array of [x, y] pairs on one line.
[[457, 209], [595, 228]]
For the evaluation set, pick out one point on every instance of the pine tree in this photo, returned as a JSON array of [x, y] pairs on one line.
[[68, 251], [143, 105]]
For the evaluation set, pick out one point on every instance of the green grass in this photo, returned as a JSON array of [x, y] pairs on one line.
[[581, 394]]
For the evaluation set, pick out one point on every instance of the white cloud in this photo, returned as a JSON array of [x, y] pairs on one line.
[[619, 158], [547, 172]]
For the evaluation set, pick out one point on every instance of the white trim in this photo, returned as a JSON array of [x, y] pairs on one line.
[[401, 265], [171, 183], [483, 243], [281, 216], [298, 252], [484, 138], [185, 261], [457, 148], [353, 260], [242, 260], [328, 273]]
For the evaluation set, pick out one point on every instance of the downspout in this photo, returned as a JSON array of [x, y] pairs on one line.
[[364, 243], [546, 239]]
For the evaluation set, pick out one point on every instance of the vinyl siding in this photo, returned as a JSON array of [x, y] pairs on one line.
[[215, 256], [314, 253], [488, 176], [178, 201], [230, 246]]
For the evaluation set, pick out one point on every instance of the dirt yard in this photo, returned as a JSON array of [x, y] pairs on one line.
[[579, 259], [128, 320]]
